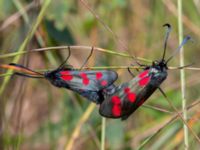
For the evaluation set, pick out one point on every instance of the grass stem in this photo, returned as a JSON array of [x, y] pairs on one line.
[[103, 135], [182, 74]]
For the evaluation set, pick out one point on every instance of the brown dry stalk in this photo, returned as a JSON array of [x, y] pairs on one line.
[[77, 129]]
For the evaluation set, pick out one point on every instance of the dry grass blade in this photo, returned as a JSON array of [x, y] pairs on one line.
[[179, 115], [182, 73], [74, 47], [191, 122], [173, 118], [24, 44], [186, 68], [102, 22], [10, 20], [156, 108], [76, 131]]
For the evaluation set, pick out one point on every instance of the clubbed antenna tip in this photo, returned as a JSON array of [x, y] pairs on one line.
[[166, 38], [185, 40]]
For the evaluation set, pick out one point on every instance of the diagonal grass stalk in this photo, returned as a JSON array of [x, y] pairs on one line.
[[17, 58], [24, 44], [169, 121], [77, 129]]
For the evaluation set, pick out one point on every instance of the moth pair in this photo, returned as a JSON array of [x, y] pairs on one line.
[[98, 86]]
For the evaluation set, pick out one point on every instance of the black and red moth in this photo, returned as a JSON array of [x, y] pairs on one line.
[[127, 97], [91, 84]]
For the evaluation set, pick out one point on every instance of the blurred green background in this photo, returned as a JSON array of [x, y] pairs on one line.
[[36, 115]]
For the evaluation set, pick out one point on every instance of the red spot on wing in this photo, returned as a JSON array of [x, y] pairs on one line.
[[115, 100], [144, 81], [131, 97], [83, 75], [99, 75], [127, 90], [143, 74], [65, 75], [116, 109], [104, 83], [85, 79]]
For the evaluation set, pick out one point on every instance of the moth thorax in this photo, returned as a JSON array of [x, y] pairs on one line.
[[158, 76], [154, 70]]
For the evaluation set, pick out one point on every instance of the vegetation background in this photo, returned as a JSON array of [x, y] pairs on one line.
[[36, 115]]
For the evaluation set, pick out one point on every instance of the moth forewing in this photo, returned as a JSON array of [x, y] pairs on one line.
[[131, 95]]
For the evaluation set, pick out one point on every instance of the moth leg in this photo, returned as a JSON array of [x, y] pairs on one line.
[[162, 92], [91, 52], [64, 62], [129, 70], [139, 64]]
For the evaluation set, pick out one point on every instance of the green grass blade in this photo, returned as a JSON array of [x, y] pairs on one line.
[[182, 74], [24, 44]]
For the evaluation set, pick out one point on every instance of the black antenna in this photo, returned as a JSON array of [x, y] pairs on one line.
[[187, 38], [64, 62], [23, 67], [27, 75], [168, 30]]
